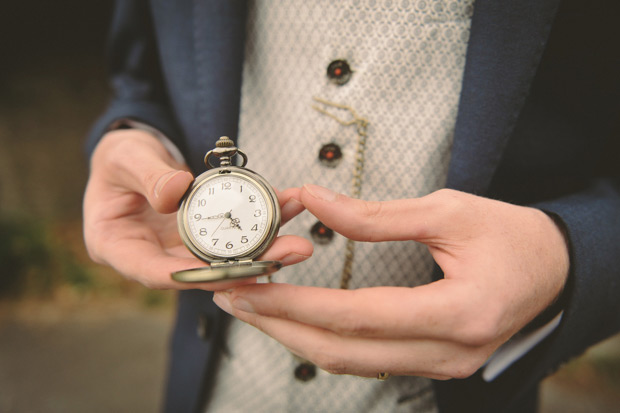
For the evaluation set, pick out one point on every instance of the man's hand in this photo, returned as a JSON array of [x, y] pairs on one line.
[[133, 189], [503, 265]]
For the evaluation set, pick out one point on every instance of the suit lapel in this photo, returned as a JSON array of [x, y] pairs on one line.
[[506, 43], [218, 41]]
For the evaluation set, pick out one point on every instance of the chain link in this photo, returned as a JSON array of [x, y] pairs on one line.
[[361, 125]]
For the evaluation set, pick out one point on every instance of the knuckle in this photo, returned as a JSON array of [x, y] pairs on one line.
[[478, 333], [370, 212], [466, 367], [93, 248], [152, 284], [330, 363], [148, 281], [453, 202], [464, 363], [446, 196], [477, 324], [370, 209], [445, 192], [94, 254], [148, 274], [479, 330]]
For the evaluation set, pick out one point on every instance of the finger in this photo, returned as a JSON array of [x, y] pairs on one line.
[[147, 262], [135, 161], [288, 249], [290, 203], [422, 219], [169, 187], [363, 356], [443, 310]]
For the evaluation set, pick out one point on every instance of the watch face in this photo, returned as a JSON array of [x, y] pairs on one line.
[[229, 215]]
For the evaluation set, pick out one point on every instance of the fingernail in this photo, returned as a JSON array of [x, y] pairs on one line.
[[321, 192], [292, 208], [242, 304], [293, 258], [222, 300], [163, 180]]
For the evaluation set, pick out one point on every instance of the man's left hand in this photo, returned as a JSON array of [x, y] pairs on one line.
[[503, 264]]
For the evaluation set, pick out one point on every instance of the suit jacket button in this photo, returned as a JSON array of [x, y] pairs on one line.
[[203, 328], [305, 372], [339, 72], [321, 234], [330, 155]]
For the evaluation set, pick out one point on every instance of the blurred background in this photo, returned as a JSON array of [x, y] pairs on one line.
[[75, 336]]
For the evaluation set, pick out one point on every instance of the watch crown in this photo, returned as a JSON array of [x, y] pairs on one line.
[[225, 150], [224, 142]]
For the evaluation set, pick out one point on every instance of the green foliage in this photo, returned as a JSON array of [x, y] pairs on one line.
[[155, 298], [23, 251], [33, 262], [76, 274]]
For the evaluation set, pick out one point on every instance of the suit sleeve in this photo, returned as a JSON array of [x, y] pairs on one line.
[[590, 300], [571, 131], [563, 158], [591, 309], [138, 91]]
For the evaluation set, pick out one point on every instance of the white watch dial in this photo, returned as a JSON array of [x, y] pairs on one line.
[[228, 216]]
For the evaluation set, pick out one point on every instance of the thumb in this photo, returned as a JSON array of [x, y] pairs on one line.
[[168, 189], [406, 219], [135, 161]]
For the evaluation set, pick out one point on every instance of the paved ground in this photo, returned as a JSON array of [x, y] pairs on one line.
[[112, 359], [83, 362]]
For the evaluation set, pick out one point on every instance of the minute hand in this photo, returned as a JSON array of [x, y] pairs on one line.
[[222, 215]]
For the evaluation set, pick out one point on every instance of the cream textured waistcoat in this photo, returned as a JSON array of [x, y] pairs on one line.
[[399, 65]]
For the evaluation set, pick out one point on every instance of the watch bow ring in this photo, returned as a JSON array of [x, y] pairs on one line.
[[228, 217]]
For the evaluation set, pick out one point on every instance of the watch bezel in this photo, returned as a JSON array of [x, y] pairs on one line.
[[273, 207], [228, 271]]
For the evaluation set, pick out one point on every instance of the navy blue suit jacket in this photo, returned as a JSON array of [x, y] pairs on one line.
[[537, 125]]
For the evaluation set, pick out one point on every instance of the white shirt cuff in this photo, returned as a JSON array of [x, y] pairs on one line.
[[515, 348]]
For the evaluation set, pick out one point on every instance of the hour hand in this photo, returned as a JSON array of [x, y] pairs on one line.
[[222, 215]]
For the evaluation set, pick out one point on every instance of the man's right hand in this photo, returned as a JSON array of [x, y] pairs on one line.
[[133, 190]]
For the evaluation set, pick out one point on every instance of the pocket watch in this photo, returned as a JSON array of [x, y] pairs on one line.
[[228, 217]]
